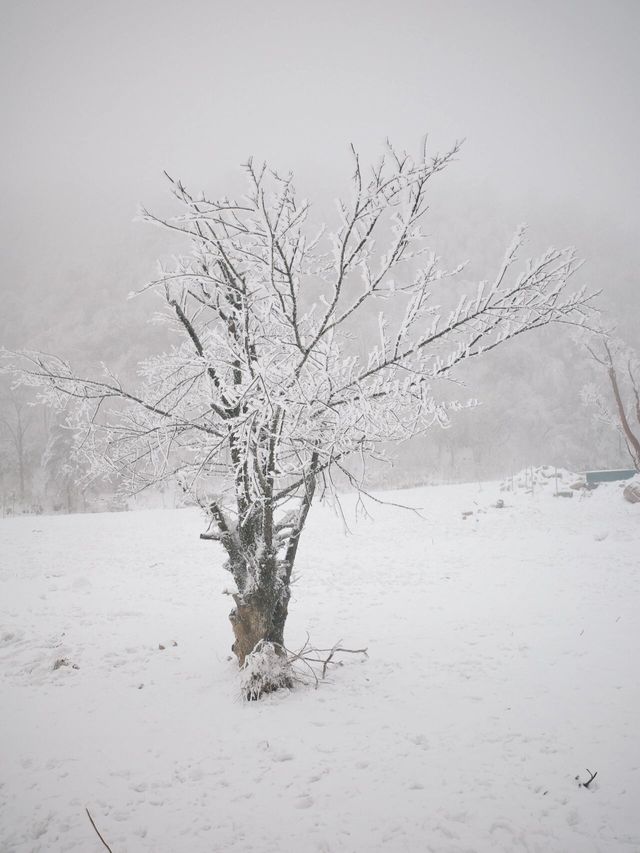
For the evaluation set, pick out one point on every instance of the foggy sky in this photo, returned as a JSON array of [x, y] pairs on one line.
[[99, 97]]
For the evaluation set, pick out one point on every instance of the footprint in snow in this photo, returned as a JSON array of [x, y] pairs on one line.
[[304, 802], [10, 638], [317, 776], [283, 756], [420, 740]]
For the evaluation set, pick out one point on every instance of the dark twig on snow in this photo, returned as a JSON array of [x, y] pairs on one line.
[[302, 656], [592, 777], [327, 662], [97, 831], [309, 655], [336, 649]]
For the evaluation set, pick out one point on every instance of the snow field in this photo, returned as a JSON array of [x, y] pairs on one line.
[[502, 664]]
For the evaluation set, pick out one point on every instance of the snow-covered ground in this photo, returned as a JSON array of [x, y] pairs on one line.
[[503, 662]]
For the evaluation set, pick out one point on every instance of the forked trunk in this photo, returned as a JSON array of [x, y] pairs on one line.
[[262, 573]]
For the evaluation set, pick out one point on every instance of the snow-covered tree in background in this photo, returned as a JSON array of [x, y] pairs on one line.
[[281, 381], [62, 472], [16, 429], [622, 369]]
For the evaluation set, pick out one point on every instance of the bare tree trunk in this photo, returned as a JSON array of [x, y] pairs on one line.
[[258, 621], [633, 443], [262, 600], [259, 617]]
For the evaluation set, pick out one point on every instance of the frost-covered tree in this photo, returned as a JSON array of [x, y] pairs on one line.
[[62, 473], [16, 427], [622, 369], [283, 378]]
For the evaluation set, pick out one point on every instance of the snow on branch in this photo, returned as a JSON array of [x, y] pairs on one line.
[[282, 371]]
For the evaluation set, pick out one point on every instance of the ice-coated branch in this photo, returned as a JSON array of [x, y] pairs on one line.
[[281, 374]]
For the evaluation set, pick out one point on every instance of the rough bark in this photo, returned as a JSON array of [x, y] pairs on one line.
[[259, 616], [258, 623]]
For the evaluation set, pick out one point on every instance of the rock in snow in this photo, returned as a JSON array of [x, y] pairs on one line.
[[632, 491]]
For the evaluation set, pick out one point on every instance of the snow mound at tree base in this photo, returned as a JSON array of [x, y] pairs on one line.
[[264, 671]]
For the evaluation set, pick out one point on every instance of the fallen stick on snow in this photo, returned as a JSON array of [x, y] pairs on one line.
[[97, 830], [309, 655]]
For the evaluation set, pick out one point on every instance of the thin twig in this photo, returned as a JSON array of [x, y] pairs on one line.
[[97, 830], [327, 662], [336, 649], [308, 655]]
